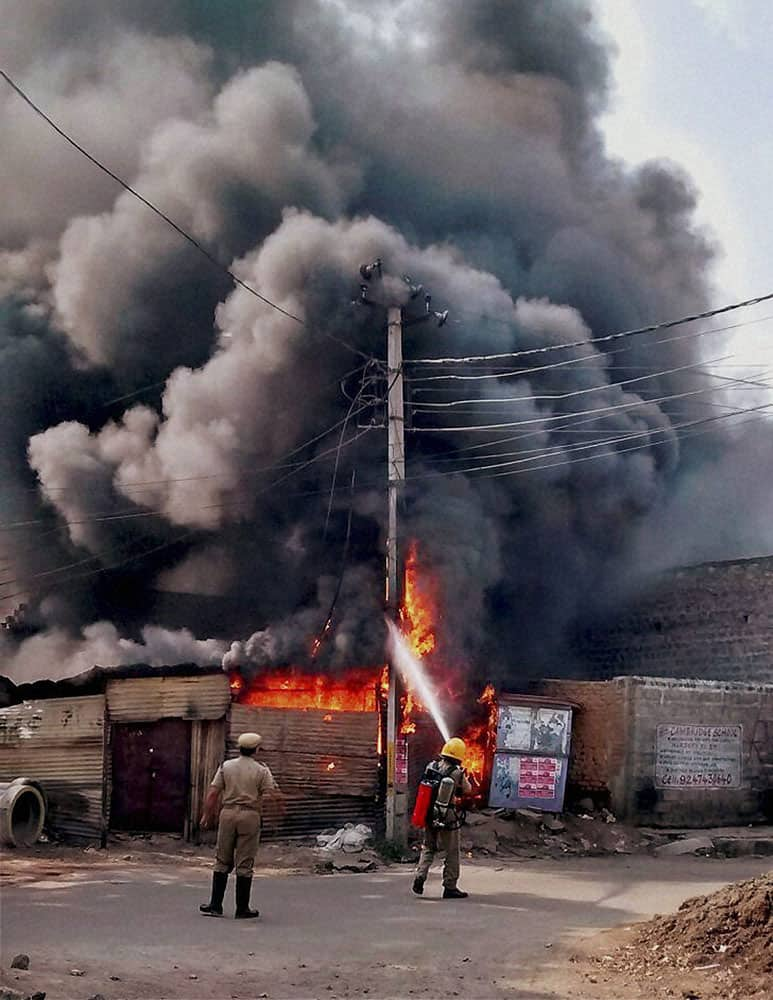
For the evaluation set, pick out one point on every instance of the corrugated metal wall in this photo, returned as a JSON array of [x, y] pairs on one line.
[[60, 743], [326, 764], [207, 748], [146, 699]]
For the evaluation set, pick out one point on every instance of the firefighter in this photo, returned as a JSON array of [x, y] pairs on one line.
[[441, 832], [238, 787]]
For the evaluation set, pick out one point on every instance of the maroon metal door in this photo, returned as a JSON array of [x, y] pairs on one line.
[[151, 769]]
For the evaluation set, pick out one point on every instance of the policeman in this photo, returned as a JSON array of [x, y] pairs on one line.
[[444, 837], [240, 785]]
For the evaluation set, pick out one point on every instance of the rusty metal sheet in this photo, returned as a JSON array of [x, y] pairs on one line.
[[300, 745], [146, 699], [150, 768], [207, 751], [60, 743]]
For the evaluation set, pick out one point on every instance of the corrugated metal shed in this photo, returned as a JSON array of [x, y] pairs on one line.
[[207, 748], [146, 699], [60, 743], [326, 764]]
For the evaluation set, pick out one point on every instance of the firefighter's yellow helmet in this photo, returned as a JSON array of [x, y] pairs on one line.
[[454, 748]]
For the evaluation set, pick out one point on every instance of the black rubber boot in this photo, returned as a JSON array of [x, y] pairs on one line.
[[214, 908], [418, 886], [454, 894], [243, 886]]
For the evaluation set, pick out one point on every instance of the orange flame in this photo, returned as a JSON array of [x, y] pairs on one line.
[[353, 691], [480, 738], [418, 614], [419, 609]]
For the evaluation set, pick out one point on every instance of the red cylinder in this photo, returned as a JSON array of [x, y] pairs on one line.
[[421, 807]]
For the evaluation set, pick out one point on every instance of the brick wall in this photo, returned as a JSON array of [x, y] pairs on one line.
[[614, 746], [599, 735], [713, 621]]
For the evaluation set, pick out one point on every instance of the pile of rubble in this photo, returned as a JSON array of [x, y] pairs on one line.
[[527, 833], [727, 936]]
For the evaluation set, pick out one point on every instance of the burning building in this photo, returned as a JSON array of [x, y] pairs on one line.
[[166, 431]]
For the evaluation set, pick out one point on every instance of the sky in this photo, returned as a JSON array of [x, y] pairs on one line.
[[693, 83]]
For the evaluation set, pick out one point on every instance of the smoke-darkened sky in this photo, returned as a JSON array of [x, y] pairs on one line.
[[165, 430]]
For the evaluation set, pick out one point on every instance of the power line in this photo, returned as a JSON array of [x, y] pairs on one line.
[[595, 356], [618, 451], [162, 215], [707, 314], [546, 419], [130, 513], [158, 548], [568, 395]]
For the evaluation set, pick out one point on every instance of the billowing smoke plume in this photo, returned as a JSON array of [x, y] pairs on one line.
[[65, 654], [162, 429]]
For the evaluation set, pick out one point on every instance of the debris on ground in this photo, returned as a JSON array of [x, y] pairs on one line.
[[690, 845], [347, 850], [20, 962], [350, 838], [726, 936], [528, 833]]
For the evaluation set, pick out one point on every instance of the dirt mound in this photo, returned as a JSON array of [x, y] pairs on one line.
[[728, 934]]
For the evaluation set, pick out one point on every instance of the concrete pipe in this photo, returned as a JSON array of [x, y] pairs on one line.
[[22, 812]]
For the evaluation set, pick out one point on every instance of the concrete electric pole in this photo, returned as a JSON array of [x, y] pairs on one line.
[[395, 478], [396, 783]]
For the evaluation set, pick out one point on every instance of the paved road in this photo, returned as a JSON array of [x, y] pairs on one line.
[[333, 936]]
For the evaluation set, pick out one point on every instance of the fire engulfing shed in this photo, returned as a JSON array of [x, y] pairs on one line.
[[135, 748]]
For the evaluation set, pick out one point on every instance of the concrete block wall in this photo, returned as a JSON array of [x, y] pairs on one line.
[[661, 701], [614, 747], [713, 621]]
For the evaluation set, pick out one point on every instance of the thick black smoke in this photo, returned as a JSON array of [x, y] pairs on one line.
[[154, 411]]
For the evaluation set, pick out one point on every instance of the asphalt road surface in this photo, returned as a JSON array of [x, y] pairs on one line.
[[333, 936]]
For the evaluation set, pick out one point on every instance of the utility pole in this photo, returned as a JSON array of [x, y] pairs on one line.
[[396, 476], [396, 790]]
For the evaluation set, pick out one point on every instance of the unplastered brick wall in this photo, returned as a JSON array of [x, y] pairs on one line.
[[700, 726], [713, 621], [599, 736]]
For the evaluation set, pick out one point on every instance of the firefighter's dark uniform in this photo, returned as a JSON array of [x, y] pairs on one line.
[[444, 839]]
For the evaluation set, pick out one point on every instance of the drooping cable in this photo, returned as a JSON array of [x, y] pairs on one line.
[[169, 221]]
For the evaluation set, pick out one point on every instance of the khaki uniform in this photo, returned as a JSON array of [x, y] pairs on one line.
[[444, 841], [242, 782]]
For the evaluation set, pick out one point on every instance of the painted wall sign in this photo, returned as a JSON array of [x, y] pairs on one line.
[[698, 756]]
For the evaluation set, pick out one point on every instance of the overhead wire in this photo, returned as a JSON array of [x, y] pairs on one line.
[[618, 451], [162, 215], [571, 426], [534, 397], [508, 372], [608, 338], [191, 533], [550, 418]]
